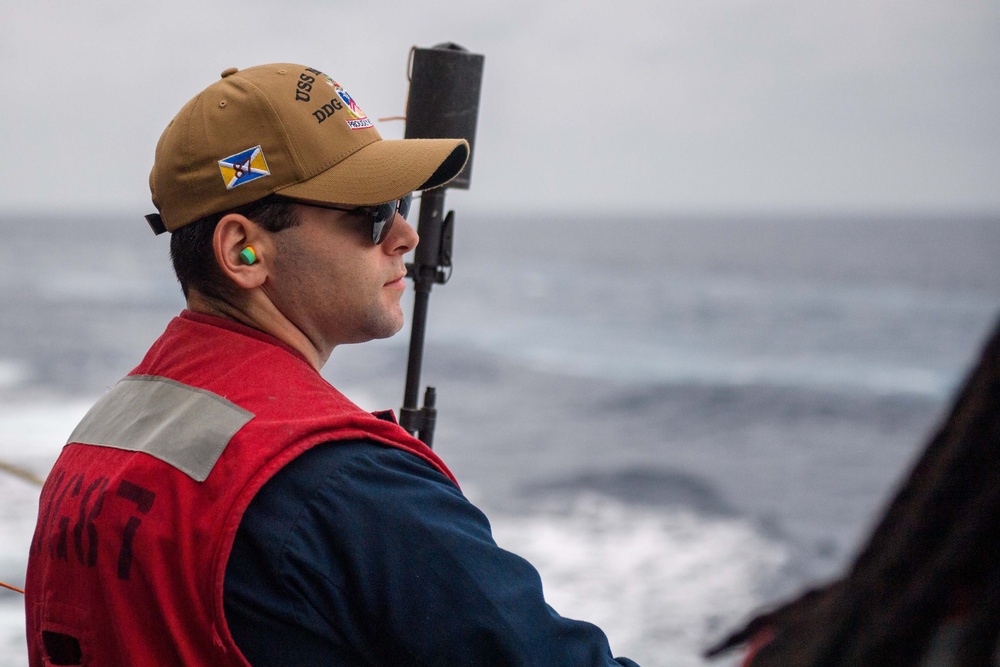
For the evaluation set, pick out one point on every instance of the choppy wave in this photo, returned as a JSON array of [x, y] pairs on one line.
[[661, 583], [568, 348], [696, 329]]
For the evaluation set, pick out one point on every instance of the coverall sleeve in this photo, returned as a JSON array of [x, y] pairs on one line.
[[364, 555]]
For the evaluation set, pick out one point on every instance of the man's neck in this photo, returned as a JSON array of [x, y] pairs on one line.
[[262, 317]]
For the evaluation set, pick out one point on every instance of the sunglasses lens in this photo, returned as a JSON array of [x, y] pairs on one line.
[[380, 229], [385, 214], [404, 205]]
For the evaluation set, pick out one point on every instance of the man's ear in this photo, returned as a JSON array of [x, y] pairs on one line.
[[233, 234]]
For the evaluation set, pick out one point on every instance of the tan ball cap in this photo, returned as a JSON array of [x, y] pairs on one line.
[[289, 130]]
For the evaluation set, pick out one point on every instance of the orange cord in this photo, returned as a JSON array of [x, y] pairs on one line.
[[409, 78], [13, 588]]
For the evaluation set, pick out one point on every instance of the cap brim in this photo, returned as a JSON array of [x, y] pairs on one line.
[[384, 170]]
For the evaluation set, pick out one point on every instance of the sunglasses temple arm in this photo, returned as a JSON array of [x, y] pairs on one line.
[[431, 264]]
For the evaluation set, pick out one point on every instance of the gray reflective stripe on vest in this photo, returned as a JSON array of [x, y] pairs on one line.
[[186, 427]]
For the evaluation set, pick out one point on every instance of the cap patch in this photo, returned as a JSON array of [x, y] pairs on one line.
[[246, 166], [360, 120]]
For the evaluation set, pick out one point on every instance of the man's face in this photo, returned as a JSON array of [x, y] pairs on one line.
[[333, 283]]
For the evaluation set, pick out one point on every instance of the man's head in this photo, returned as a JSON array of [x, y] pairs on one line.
[[284, 147], [288, 130], [192, 248]]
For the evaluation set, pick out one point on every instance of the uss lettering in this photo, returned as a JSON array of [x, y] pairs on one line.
[[304, 86]]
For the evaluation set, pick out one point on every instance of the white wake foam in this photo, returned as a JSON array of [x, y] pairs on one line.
[[662, 583]]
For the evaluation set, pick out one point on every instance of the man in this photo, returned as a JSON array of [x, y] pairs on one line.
[[223, 504]]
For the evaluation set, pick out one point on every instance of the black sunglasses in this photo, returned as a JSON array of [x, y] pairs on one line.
[[381, 215]]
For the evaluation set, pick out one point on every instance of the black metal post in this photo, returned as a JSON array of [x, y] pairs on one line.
[[425, 271], [443, 104]]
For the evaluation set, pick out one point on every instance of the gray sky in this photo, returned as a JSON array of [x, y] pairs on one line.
[[633, 105]]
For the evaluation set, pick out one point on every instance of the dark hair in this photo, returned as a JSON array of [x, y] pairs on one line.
[[194, 258]]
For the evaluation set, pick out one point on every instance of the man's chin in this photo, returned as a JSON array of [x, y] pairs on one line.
[[390, 328]]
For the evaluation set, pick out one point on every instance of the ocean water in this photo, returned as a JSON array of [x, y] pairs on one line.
[[676, 420]]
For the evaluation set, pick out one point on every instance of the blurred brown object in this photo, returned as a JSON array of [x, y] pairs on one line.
[[925, 589]]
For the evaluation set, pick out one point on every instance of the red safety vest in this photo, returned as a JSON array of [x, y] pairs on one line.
[[138, 516]]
